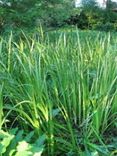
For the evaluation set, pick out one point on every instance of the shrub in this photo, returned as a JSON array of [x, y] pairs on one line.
[[17, 143], [106, 27]]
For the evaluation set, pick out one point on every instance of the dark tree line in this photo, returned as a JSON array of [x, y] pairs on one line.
[[28, 14]]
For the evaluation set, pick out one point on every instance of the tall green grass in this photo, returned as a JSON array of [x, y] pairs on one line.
[[64, 87]]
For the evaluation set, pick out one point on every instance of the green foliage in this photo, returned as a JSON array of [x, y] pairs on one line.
[[89, 4], [30, 13], [16, 143], [91, 16]]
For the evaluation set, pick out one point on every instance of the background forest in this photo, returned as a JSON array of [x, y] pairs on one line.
[[29, 14]]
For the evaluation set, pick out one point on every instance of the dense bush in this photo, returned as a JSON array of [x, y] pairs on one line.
[[91, 16], [30, 13]]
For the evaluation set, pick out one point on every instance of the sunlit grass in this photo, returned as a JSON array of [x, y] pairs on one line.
[[64, 87]]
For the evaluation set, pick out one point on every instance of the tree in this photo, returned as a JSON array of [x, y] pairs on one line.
[[27, 13], [89, 4], [90, 9], [110, 15]]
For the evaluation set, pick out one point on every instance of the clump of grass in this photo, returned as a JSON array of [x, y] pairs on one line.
[[66, 89]]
